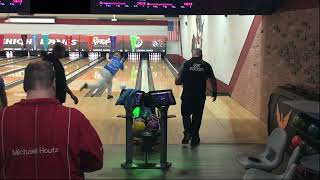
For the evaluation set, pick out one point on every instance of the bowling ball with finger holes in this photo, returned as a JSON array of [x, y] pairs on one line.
[[145, 113], [314, 131], [139, 119], [153, 125], [296, 141], [299, 123], [138, 126], [151, 117]]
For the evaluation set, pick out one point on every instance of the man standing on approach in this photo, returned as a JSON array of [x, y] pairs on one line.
[[193, 77], [62, 88]]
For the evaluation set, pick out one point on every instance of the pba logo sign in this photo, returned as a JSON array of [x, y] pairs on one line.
[[139, 42], [104, 42], [281, 119], [158, 43]]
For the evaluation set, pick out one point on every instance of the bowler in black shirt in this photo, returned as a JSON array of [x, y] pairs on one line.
[[61, 82], [193, 76]]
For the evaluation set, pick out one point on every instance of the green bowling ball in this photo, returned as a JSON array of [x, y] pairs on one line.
[[299, 123]]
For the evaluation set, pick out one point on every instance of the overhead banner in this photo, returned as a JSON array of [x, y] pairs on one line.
[[97, 43], [1, 40], [133, 43], [69, 41], [89, 42], [45, 41], [113, 40], [24, 40], [34, 42]]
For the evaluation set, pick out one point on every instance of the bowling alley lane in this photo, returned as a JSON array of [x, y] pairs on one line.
[[18, 90], [69, 68], [224, 121], [127, 77], [15, 65], [6, 60], [20, 74]]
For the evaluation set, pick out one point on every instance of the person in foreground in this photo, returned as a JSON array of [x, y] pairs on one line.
[[107, 74], [62, 87], [41, 139], [3, 95], [193, 76]]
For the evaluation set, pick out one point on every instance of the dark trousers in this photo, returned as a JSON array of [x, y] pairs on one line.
[[191, 111]]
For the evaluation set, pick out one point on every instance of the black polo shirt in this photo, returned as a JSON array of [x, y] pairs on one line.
[[61, 81], [194, 76]]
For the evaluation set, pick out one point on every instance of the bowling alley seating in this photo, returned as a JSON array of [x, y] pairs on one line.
[[271, 157], [288, 174]]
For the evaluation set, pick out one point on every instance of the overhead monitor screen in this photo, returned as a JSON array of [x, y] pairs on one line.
[[14, 6], [142, 6]]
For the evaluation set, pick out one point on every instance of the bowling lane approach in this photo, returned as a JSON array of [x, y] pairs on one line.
[[69, 68]]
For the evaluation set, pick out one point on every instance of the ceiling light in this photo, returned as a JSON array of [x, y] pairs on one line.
[[30, 20], [114, 18]]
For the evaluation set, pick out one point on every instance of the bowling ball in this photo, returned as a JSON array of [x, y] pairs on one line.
[[309, 150], [299, 123], [136, 112], [138, 126], [139, 119], [123, 87], [314, 131], [145, 113], [296, 141], [152, 117], [153, 125]]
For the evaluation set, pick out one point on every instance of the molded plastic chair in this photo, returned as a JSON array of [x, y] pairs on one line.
[[271, 157], [288, 174]]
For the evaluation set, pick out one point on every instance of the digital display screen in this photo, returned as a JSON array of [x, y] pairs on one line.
[[162, 98], [12, 6], [137, 98], [143, 6]]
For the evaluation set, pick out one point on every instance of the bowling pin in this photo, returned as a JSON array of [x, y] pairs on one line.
[[150, 57], [11, 54], [135, 57], [7, 54]]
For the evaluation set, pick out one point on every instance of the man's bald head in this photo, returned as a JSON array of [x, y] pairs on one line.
[[197, 52], [39, 75]]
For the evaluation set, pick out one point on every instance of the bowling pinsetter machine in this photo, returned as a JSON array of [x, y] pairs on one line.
[[161, 100]]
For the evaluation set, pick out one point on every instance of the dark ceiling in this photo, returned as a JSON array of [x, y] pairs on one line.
[[210, 7]]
